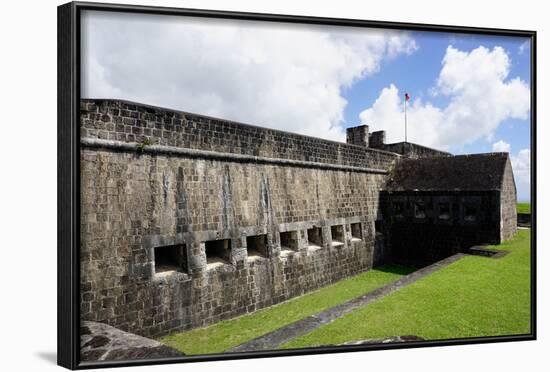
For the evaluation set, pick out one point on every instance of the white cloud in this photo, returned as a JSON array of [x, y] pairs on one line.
[[521, 165], [501, 146], [284, 76], [526, 45], [480, 94]]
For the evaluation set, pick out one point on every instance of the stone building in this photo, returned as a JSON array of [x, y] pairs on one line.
[[187, 220], [439, 206]]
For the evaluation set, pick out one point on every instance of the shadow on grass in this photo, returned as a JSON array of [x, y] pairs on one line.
[[396, 269]]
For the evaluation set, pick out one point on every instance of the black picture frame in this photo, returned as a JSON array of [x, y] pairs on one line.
[[68, 91]]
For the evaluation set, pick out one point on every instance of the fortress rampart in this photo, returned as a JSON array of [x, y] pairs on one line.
[[187, 220]]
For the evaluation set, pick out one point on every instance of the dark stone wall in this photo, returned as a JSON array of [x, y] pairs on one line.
[[133, 202], [130, 122], [425, 227]]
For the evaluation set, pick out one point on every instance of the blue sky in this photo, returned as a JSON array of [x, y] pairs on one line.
[[469, 93], [417, 73]]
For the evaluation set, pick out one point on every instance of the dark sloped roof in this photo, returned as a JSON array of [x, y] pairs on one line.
[[462, 172]]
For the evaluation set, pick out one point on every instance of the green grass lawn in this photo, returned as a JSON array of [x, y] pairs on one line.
[[475, 296], [524, 208], [229, 333]]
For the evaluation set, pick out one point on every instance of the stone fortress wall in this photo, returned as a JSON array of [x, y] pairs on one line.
[[187, 220]]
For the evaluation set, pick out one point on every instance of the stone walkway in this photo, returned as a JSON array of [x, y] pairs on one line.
[[301, 327]]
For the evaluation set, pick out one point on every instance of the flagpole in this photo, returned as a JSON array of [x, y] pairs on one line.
[[405, 118]]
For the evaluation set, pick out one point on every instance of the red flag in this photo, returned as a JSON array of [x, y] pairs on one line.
[[407, 97]]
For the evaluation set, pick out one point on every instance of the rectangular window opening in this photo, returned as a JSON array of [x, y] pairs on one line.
[[257, 246], [289, 240], [217, 251], [170, 258], [398, 209], [444, 211], [419, 210], [470, 213], [337, 235], [315, 237], [356, 232]]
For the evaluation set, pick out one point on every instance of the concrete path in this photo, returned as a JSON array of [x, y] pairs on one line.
[[303, 326]]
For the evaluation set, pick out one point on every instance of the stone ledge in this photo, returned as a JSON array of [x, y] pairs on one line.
[[225, 156]]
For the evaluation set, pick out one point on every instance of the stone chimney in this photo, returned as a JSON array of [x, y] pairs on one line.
[[377, 139], [358, 135]]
